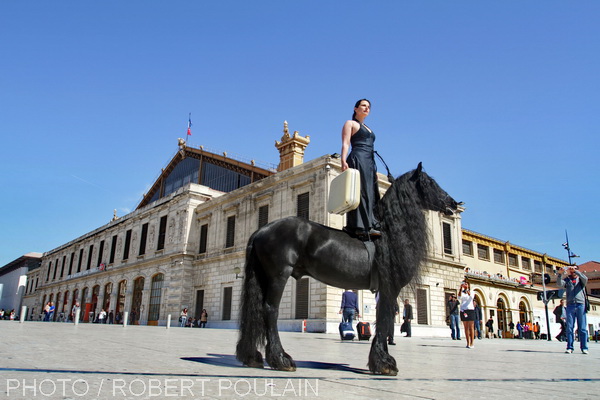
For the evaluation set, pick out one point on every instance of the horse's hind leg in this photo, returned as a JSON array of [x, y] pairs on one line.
[[276, 357], [252, 318]]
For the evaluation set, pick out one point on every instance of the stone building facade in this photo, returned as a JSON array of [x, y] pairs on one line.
[[184, 247]]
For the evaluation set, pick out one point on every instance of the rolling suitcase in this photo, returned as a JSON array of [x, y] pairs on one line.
[[346, 331], [364, 330], [344, 192]]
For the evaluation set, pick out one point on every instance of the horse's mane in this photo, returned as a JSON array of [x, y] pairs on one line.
[[404, 241]]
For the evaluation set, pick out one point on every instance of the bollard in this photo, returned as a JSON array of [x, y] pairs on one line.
[[303, 326], [125, 318], [77, 315], [168, 321], [23, 312]]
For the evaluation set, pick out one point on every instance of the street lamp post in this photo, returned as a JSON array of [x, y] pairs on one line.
[[545, 299], [567, 247]]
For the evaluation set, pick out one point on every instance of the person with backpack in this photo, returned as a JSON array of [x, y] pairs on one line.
[[453, 309]]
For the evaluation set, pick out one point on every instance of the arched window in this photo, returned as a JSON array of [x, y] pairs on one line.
[[523, 312], [85, 307], [121, 300], [73, 302], [155, 296], [64, 308], [106, 298], [136, 303], [57, 306], [502, 324], [95, 295]]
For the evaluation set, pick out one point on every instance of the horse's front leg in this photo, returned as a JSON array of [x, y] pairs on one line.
[[380, 360], [276, 357]]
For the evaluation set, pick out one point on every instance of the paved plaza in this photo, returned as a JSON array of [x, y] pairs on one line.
[[89, 361]]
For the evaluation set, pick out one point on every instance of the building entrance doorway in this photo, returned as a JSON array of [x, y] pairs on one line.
[[502, 324], [155, 296], [199, 304], [136, 303]]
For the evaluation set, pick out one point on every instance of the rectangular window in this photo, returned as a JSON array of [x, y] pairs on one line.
[[422, 307], [303, 204], [526, 262], [537, 265], [227, 291], [127, 245], [203, 238], [55, 270], [80, 260], [62, 268], [230, 235], [49, 269], [483, 252], [101, 252], [71, 263], [302, 287], [467, 247], [113, 249], [447, 236], [143, 239], [162, 233], [89, 261], [513, 260], [263, 216], [498, 256]]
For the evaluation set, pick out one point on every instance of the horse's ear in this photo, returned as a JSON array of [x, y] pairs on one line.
[[417, 172]]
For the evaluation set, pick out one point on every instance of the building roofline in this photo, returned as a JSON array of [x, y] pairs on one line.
[[19, 262]]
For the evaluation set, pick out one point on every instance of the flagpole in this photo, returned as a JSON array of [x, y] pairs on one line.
[[189, 130]]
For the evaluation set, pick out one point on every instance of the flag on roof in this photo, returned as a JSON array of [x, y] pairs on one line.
[[189, 131]]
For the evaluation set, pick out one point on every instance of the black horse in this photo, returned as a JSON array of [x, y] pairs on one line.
[[297, 247]]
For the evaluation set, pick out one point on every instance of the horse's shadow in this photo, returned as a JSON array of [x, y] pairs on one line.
[[229, 361]]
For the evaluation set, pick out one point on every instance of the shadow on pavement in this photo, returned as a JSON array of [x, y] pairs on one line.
[[229, 360]]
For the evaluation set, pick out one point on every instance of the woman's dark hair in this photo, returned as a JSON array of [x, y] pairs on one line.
[[357, 104]]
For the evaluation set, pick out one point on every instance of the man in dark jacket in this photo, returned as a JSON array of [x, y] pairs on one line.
[[453, 310], [407, 315], [349, 307], [478, 318], [561, 316], [490, 328]]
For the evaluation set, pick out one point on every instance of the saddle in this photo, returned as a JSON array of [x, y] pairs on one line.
[[370, 247]]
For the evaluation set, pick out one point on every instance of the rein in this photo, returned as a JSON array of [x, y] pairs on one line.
[[389, 174]]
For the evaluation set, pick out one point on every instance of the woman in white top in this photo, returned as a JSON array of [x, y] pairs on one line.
[[467, 312]]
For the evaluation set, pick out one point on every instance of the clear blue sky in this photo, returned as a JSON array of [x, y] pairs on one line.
[[499, 99]]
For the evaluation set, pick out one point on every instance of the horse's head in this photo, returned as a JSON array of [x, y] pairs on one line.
[[431, 195]]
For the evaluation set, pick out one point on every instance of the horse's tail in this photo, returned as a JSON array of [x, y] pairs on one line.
[[252, 317]]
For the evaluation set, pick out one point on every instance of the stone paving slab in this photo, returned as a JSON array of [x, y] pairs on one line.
[[89, 361]]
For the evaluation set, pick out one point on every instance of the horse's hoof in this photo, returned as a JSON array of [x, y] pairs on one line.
[[389, 372]]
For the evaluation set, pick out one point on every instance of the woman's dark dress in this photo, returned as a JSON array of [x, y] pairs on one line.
[[362, 158]]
